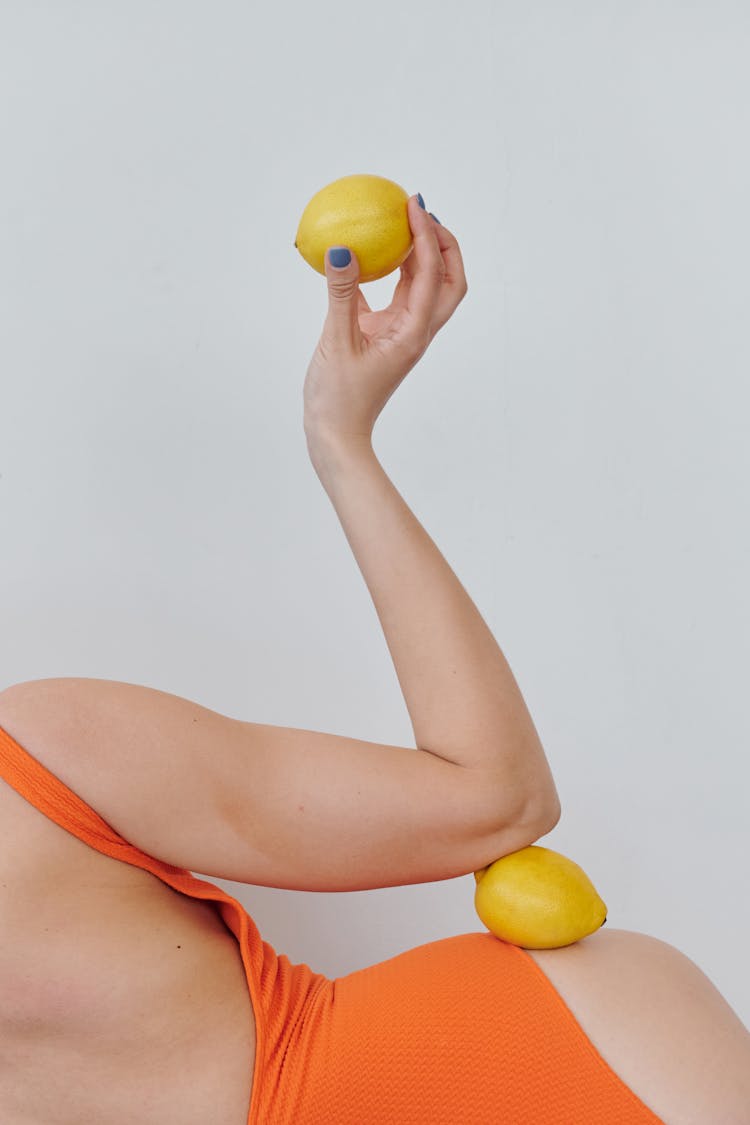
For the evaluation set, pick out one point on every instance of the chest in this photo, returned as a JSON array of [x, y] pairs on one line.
[[120, 999]]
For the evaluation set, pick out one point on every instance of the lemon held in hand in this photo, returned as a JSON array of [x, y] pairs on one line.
[[366, 213], [538, 899]]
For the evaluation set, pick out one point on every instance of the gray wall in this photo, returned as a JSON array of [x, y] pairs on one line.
[[574, 440]]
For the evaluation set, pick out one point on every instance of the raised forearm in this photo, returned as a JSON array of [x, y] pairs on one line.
[[463, 700]]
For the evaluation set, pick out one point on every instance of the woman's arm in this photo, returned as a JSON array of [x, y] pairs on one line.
[[276, 806], [464, 703], [294, 808], [463, 700]]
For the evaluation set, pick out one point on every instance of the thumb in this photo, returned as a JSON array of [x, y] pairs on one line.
[[342, 276]]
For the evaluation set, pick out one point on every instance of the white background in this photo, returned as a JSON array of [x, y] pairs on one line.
[[574, 440]]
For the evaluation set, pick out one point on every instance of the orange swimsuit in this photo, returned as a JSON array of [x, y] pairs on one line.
[[463, 1031]]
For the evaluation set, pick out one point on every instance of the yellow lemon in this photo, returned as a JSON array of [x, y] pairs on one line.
[[538, 899], [366, 213]]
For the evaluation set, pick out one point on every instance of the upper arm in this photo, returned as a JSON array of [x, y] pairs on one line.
[[255, 803]]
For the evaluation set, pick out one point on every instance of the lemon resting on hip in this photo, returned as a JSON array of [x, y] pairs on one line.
[[538, 899], [366, 213]]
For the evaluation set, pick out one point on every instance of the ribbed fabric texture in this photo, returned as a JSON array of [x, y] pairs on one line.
[[463, 1031]]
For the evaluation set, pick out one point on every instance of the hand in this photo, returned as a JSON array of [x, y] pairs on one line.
[[362, 355]]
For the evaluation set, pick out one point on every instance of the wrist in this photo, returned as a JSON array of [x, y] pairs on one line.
[[331, 451]]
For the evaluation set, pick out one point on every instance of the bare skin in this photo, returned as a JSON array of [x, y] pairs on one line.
[[659, 1022], [122, 1000], [101, 961]]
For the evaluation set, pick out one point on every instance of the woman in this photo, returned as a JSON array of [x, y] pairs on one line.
[[134, 991]]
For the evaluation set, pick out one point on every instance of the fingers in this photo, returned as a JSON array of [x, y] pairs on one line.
[[426, 269], [453, 286], [455, 275], [431, 286]]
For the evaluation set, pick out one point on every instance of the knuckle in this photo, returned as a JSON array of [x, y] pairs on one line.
[[343, 288], [438, 270], [460, 284]]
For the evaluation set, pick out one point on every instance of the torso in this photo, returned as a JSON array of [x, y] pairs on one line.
[[120, 998]]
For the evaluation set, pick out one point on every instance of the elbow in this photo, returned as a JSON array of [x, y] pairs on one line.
[[553, 817], [537, 817], [537, 800], [542, 813]]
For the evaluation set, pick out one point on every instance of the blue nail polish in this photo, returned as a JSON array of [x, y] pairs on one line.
[[339, 257], [420, 201], [437, 220]]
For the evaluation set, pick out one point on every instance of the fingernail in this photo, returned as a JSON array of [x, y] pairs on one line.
[[339, 257], [437, 220], [420, 201]]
